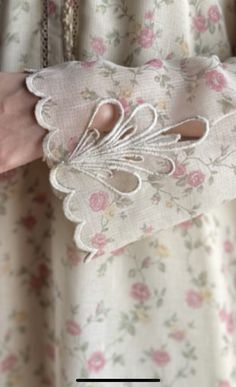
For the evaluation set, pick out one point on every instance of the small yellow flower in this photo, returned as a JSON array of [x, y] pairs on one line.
[[163, 251], [15, 378], [110, 211], [192, 85], [136, 27], [142, 316], [184, 48], [221, 52], [126, 93], [207, 295], [162, 104], [169, 203], [20, 316]]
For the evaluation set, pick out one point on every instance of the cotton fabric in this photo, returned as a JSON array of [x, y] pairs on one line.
[[162, 306], [81, 157]]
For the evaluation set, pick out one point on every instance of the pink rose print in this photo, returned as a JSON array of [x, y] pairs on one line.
[[228, 246], [8, 363], [146, 262], [149, 15], [230, 324], [157, 63], [146, 37], [223, 314], [215, 80], [88, 63], [98, 201], [43, 271], [99, 240], [36, 283], [169, 56], [73, 328], [119, 251], [40, 197], [200, 23], [140, 100], [98, 46], [147, 229], [178, 335], [195, 178], [29, 222], [186, 224], [96, 361], [214, 13], [51, 7], [161, 358], [180, 170], [140, 292], [227, 318], [224, 383], [194, 299]]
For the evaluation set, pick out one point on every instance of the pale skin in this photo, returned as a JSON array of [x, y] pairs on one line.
[[20, 135]]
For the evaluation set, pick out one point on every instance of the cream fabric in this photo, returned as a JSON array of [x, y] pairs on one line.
[[81, 168], [161, 306]]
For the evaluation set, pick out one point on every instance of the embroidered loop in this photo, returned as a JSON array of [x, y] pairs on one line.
[[117, 151], [139, 149]]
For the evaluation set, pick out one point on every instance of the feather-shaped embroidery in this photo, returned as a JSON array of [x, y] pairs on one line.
[[118, 160], [125, 147]]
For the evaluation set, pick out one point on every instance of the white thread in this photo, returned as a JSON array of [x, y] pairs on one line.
[[136, 145]]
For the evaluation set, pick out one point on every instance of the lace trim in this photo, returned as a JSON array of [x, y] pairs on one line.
[[44, 35], [98, 156], [122, 147], [70, 21]]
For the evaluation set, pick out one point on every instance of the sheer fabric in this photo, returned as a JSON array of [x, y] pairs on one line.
[[161, 306]]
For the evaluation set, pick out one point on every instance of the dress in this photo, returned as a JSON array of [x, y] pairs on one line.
[[161, 306]]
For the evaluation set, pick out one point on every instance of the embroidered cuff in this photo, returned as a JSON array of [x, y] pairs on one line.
[[139, 177]]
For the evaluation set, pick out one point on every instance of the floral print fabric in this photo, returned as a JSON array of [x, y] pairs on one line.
[[163, 306], [79, 169]]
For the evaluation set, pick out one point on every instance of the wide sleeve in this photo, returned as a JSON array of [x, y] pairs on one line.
[[141, 176]]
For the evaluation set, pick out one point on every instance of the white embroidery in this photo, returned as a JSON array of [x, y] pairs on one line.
[[94, 154], [99, 157]]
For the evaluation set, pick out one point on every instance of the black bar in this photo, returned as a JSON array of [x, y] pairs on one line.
[[118, 380]]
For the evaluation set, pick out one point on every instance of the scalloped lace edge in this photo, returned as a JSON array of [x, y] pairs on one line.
[[29, 80], [49, 157]]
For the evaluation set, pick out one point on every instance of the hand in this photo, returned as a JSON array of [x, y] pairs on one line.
[[20, 135]]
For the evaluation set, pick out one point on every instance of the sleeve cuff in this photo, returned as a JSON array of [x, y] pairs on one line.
[[137, 179]]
